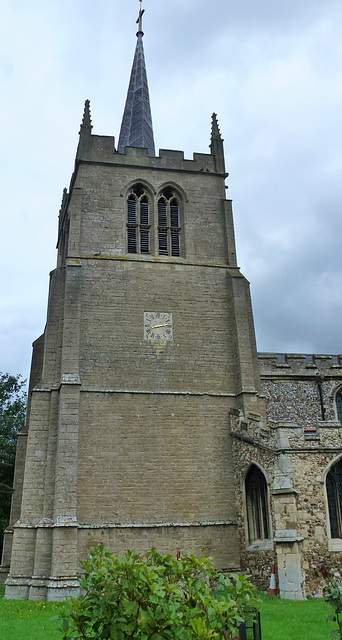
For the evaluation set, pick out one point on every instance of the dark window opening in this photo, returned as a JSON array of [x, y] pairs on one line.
[[138, 221], [339, 405], [334, 494], [131, 210], [168, 224], [162, 213], [163, 242], [132, 240], [257, 506]]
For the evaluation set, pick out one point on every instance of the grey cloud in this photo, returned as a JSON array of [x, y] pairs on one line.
[[271, 70]]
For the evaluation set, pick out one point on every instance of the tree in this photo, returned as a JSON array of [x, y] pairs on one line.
[[12, 420]]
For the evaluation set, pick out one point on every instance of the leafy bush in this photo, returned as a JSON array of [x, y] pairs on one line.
[[333, 594], [156, 597]]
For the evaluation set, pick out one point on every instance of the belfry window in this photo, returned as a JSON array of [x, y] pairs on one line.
[[168, 224], [138, 220], [338, 400], [257, 505], [334, 494]]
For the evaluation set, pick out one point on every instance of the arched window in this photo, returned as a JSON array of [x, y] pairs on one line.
[[138, 220], [334, 494], [168, 224], [257, 506], [338, 400]]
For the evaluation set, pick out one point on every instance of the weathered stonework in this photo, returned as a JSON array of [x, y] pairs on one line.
[[301, 443], [188, 441], [129, 439]]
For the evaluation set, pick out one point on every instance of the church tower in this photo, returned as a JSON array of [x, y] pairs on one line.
[[147, 353]]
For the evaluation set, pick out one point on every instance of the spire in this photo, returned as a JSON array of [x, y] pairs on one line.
[[216, 145], [136, 127]]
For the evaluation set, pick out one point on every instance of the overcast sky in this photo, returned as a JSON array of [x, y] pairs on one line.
[[271, 70]]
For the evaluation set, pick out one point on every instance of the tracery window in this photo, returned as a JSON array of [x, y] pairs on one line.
[[334, 494], [138, 220], [338, 400], [169, 229], [257, 505]]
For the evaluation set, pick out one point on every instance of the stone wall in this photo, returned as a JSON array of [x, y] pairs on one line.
[[129, 437], [301, 440]]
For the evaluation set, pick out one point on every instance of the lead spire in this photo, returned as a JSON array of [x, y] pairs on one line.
[[136, 127]]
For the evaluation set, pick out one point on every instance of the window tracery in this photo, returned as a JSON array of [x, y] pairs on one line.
[[257, 505], [138, 220], [338, 402], [334, 495], [168, 224]]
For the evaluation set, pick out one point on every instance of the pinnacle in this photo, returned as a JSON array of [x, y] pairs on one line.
[[64, 199], [215, 131], [86, 121]]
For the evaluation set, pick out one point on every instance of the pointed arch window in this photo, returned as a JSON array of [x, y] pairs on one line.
[[138, 220], [169, 228], [334, 494], [338, 400], [257, 505]]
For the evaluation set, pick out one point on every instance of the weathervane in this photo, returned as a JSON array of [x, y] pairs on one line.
[[139, 21]]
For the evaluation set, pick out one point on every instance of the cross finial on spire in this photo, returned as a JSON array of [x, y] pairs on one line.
[[139, 21]]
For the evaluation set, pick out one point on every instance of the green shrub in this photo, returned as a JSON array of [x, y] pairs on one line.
[[156, 597], [333, 594]]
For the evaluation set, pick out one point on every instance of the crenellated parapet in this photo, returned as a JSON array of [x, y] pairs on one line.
[[101, 149], [300, 393], [294, 364]]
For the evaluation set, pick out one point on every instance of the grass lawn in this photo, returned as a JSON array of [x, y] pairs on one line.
[[23, 620], [295, 620], [280, 619]]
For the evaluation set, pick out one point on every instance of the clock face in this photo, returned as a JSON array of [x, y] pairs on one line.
[[158, 326]]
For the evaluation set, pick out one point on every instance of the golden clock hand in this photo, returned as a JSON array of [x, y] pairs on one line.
[[157, 326]]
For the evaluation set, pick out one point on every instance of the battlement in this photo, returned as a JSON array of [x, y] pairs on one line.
[[102, 149], [287, 364]]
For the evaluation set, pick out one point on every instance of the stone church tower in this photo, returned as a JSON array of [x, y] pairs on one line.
[[148, 352]]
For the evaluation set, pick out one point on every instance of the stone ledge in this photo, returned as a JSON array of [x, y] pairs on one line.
[[281, 491], [63, 522], [335, 544], [260, 545], [287, 535]]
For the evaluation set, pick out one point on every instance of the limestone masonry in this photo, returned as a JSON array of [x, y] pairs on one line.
[[152, 420]]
